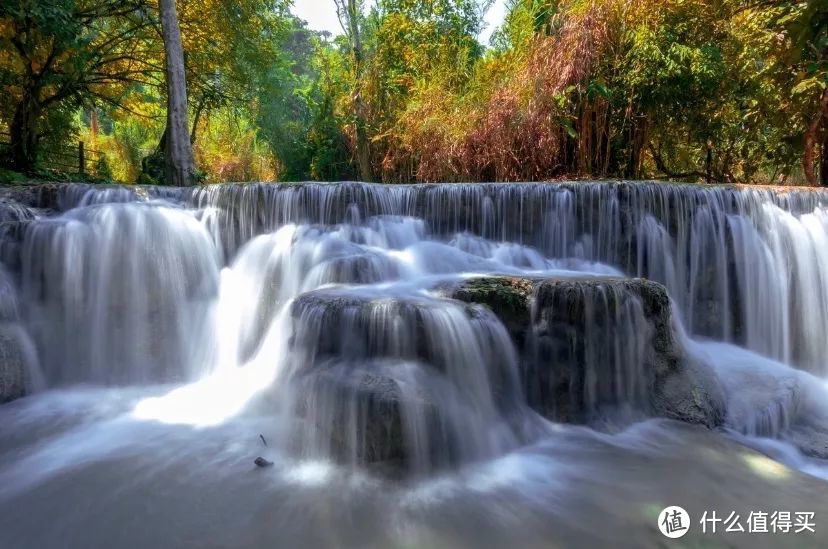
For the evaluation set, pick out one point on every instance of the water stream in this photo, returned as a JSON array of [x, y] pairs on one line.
[[171, 336]]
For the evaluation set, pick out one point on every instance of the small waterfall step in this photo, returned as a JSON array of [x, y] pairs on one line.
[[412, 381], [591, 347]]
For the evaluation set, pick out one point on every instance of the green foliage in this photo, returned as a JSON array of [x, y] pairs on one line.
[[681, 89], [11, 177], [60, 54], [102, 170], [286, 102]]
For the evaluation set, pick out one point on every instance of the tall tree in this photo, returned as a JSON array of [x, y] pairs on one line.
[[350, 17], [824, 162], [56, 53], [820, 121], [178, 158], [807, 25], [231, 47]]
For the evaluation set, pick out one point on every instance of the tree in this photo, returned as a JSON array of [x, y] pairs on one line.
[[286, 99], [690, 90], [178, 158], [230, 48], [807, 25], [820, 121], [67, 52], [351, 17]]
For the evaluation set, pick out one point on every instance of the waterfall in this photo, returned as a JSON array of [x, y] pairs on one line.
[[744, 265], [119, 294], [451, 398], [485, 353], [599, 335]]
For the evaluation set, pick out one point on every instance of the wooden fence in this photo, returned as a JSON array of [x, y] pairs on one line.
[[66, 159]]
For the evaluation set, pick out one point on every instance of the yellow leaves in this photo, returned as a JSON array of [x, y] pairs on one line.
[[6, 29], [229, 149], [808, 86]]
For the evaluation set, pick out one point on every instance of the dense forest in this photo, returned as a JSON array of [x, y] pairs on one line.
[[697, 90]]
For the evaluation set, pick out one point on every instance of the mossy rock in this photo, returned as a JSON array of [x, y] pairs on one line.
[[14, 379], [557, 324], [509, 298]]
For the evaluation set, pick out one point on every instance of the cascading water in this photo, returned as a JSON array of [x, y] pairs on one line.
[[119, 284], [721, 251], [599, 337], [438, 365], [448, 408]]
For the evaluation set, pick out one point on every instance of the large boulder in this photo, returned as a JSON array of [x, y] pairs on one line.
[[464, 342], [373, 413], [15, 355], [409, 384], [597, 346]]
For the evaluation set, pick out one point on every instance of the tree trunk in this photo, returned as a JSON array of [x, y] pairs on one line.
[[348, 12], [708, 164], [808, 155], [24, 138], [363, 153], [823, 168], [179, 168], [196, 118]]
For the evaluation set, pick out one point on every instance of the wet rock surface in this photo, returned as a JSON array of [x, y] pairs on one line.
[[385, 384], [16, 351], [362, 415], [14, 379], [589, 345], [358, 326], [262, 462], [508, 297]]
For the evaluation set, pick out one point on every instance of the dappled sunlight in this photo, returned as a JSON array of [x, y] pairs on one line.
[[766, 467]]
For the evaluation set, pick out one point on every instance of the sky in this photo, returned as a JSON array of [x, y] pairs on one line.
[[321, 16]]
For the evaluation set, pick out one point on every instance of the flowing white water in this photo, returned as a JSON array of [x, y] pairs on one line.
[[130, 285], [171, 328]]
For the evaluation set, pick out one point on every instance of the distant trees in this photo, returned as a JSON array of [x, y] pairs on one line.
[[710, 91], [699, 90], [352, 20]]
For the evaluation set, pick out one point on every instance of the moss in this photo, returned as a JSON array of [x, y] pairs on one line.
[[507, 297]]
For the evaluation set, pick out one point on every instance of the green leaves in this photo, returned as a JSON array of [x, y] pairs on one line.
[[568, 87]]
